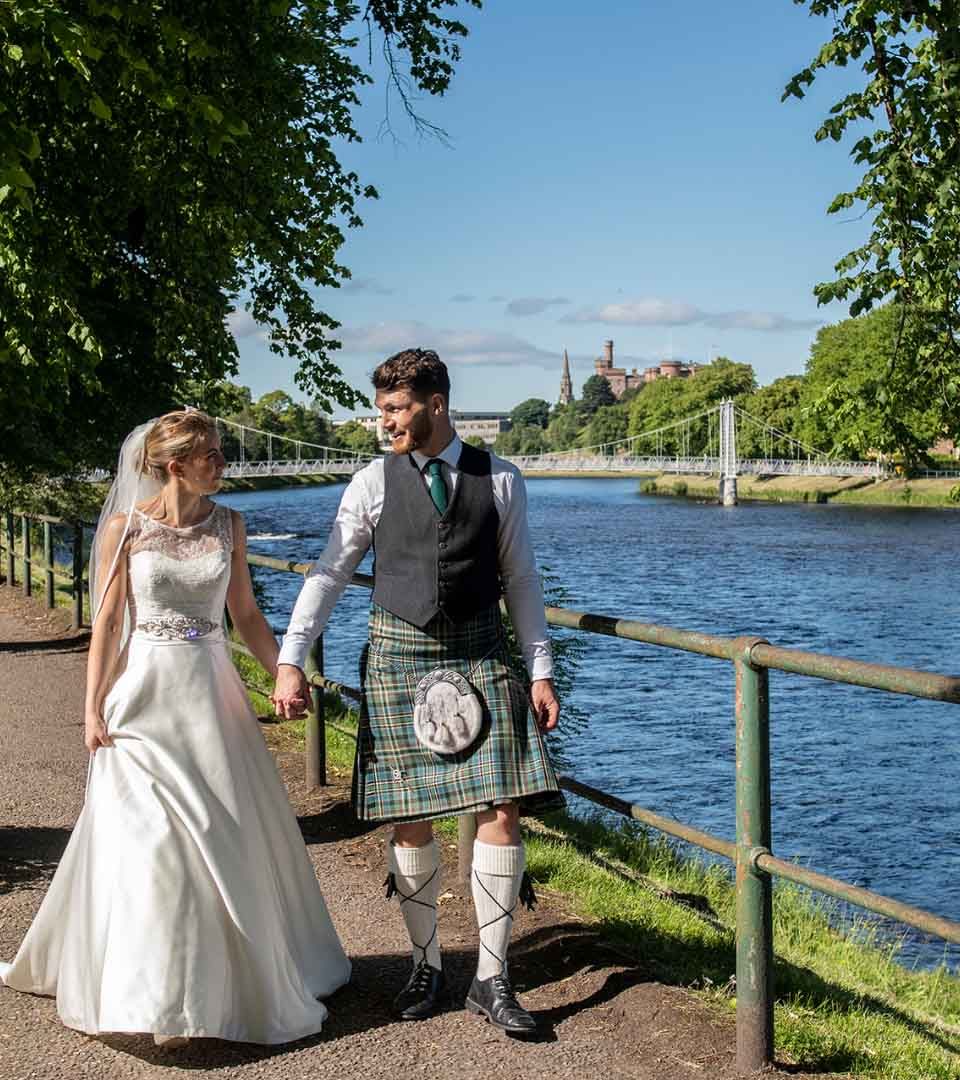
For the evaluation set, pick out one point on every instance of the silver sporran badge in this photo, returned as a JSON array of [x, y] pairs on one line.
[[447, 716]]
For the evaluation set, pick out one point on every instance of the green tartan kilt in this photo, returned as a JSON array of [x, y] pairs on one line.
[[395, 778]]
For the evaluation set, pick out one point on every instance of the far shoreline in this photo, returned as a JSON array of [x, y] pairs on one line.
[[901, 493]]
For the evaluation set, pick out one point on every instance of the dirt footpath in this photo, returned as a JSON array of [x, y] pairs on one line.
[[601, 1014]]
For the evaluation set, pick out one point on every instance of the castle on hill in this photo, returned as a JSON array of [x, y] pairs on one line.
[[621, 380]]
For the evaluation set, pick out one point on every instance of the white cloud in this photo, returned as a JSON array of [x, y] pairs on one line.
[[368, 284], [654, 311], [534, 305], [759, 320], [482, 348], [241, 324], [647, 311]]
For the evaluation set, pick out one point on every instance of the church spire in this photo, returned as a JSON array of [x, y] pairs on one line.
[[566, 383]]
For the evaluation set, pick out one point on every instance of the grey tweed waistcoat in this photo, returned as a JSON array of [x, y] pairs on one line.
[[427, 562]]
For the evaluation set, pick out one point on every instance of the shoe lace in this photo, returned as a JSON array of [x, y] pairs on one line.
[[505, 991], [420, 979]]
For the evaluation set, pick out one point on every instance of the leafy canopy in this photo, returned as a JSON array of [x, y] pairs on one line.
[[838, 407], [533, 411], [596, 393], [906, 122], [157, 163]]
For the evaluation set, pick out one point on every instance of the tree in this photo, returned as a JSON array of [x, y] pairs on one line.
[[566, 423], [477, 441], [909, 51], [596, 392], [528, 439], [661, 404], [608, 425], [355, 437], [161, 166], [838, 404], [775, 406], [533, 411]]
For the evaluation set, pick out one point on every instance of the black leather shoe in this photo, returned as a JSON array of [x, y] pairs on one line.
[[494, 998], [421, 997]]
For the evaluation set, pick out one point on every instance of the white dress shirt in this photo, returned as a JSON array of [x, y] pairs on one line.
[[352, 535]]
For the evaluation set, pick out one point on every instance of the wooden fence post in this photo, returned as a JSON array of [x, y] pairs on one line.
[[77, 575], [27, 567], [316, 749], [11, 553], [48, 561]]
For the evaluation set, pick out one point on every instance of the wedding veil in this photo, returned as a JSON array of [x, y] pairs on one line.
[[130, 486]]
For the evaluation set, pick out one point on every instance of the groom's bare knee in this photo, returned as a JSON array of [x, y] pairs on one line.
[[413, 833], [499, 825]]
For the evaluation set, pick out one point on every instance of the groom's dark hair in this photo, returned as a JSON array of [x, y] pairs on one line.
[[419, 370]]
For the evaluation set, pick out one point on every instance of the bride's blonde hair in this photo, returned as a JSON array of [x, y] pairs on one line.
[[173, 438]]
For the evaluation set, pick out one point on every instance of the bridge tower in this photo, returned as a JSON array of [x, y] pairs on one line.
[[729, 465]]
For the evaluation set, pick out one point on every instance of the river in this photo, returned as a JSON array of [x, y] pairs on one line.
[[865, 784]]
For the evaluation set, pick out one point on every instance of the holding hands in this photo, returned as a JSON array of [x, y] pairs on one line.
[[291, 694]]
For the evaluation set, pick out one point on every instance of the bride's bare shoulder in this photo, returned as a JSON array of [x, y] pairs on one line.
[[113, 529]]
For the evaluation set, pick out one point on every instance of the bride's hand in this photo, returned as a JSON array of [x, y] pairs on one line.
[[95, 732]]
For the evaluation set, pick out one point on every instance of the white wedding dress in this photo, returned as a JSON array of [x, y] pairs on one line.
[[185, 903]]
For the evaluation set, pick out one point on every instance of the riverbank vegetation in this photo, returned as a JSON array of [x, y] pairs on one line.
[[927, 491], [829, 409], [844, 1003]]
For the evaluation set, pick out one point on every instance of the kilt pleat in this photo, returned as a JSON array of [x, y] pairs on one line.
[[395, 778]]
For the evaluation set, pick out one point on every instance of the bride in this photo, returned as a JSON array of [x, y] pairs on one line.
[[185, 904]]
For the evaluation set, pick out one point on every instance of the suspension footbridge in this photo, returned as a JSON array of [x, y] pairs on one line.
[[703, 444]]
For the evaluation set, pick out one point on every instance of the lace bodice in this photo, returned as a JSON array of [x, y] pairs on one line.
[[179, 572]]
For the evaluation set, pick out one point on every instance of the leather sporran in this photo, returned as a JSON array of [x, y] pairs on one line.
[[447, 715]]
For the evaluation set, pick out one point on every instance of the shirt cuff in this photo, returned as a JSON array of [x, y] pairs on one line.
[[540, 667], [294, 651]]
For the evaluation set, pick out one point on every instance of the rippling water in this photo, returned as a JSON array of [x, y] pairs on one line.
[[865, 784]]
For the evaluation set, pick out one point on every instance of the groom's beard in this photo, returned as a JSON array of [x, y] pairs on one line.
[[416, 434]]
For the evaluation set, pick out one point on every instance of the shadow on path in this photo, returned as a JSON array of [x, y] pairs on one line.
[[363, 1006], [29, 855], [51, 646]]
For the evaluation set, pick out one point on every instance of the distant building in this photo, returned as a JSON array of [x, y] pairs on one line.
[[621, 380], [946, 448], [486, 425], [566, 383]]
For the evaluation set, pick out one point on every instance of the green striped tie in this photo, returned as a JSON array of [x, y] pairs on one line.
[[438, 486]]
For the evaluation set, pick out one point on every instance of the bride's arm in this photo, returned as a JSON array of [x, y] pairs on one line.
[[242, 605], [105, 639]]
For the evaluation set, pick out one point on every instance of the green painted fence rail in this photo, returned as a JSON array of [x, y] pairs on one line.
[[756, 865]]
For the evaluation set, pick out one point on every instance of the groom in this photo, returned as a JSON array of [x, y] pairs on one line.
[[448, 523]]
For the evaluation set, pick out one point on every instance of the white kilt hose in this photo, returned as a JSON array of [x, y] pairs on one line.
[[395, 777]]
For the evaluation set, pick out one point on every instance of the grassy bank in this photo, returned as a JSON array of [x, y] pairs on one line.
[[844, 1005], [926, 492], [266, 483]]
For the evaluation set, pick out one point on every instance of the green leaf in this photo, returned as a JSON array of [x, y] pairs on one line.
[[100, 108], [16, 176]]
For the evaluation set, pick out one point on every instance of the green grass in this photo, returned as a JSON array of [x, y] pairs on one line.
[[844, 1005], [943, 493], [62, 582]]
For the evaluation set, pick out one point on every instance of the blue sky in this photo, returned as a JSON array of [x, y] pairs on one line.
[[616, 170]]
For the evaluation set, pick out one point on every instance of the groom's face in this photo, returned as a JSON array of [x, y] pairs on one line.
[[408, 419]]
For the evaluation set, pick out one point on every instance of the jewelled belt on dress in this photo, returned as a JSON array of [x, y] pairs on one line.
[[177, 627]]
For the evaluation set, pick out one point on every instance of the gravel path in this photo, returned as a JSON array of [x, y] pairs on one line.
[[601, 1015]]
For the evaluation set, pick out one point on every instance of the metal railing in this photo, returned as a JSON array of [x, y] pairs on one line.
[[51, 571], [756, 865]]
